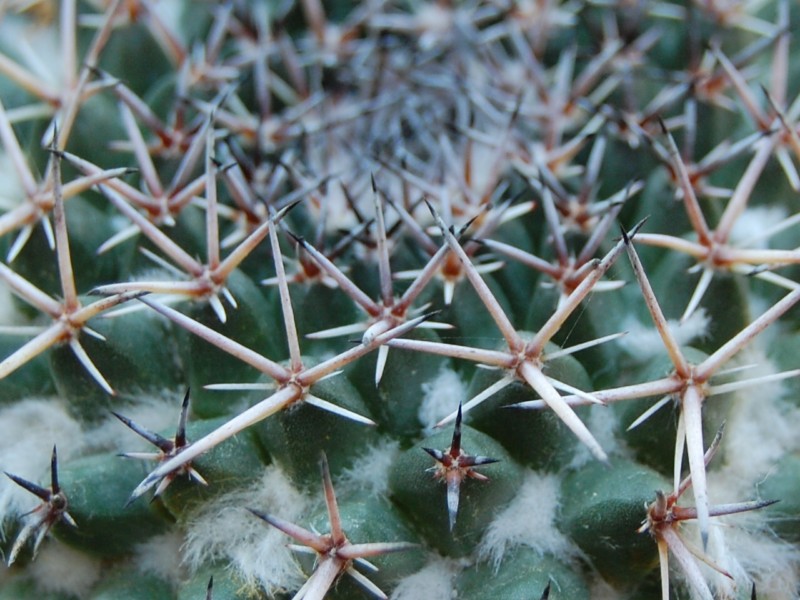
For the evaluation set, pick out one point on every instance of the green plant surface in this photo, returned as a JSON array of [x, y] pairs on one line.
[[513, 273]]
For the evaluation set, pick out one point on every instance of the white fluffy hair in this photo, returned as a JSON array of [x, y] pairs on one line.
[[433, 582], [60, 569], [28, 431], [442, 397], [529, 520], [223, 529]]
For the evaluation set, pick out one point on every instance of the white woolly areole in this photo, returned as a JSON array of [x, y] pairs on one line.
[[60, 569], [9, 315], [161, 556], [599, 589], [603, 424], [759, 430], [224, 530], [748, 230], [433, 582], [442, 397], [34, 48], [745, 549], [370, 471], [28, 430], [643, 341], [13, 194], [530, 520]]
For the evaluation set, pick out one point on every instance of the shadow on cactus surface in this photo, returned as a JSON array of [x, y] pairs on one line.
[[510, 268]]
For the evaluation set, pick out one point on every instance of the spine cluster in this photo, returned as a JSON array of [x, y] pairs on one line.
[[512, 273]]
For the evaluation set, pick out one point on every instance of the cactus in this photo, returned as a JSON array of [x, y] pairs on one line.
[[499, 270]]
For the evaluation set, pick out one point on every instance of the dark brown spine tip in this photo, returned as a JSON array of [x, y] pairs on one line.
[[124, 419], [469, 223], [455, 445], [180, 434], [631, 233], [625, 237], [517, 106], [258, 513], [54, 471], [546, 592], [34, 489], [429, 315], [96, 71], [297, 238], [435, 454]]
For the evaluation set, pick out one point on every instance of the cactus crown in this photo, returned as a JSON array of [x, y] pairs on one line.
[[312, 214]]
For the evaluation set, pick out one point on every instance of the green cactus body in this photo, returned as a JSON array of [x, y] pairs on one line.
[[373, 518], [237, 463], [603, 507], [131, 585], [397, 399], [97, 503], [137, 358], [336, 222], [523, 573], [535, 438], [296, 436], [784, 516], [250, 324], [223, 586], [33, 378], [423, 498]]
